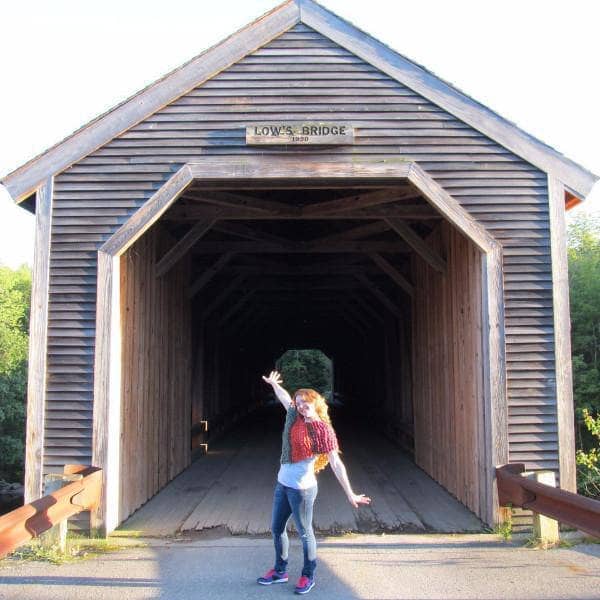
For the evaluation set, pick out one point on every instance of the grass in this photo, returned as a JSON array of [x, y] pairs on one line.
[[536, 543], [77, 548], [504, 529]]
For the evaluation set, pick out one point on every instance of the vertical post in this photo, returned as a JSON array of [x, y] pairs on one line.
[[57, 535], [107, 392], [545, 529], [495, 412], [562, 336], [38, 343]]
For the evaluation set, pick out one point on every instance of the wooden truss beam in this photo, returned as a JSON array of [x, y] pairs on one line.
[[300, 247], [379, 295], [328, 283], [292, 271], [250, 233], [355, 233], [207, 275], [363, 200], [233, 309], [430, 256], [397, 277], [229, 199], [223, 295], [367, 307], [186, 243], [357, 316], [415, 212]]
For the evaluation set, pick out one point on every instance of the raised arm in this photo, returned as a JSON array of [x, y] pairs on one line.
[[342, 476], [274, 379]]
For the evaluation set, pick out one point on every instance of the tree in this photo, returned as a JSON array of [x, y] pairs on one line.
[[584, 284], [15, 292], [306, 369]]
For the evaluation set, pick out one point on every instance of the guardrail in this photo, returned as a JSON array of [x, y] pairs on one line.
[[566, 507], [30, 520]]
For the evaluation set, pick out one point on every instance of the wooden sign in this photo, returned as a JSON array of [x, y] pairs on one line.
[[299, 133]]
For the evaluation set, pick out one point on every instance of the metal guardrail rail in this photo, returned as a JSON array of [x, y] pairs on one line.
[[30, 520], [566, 507]]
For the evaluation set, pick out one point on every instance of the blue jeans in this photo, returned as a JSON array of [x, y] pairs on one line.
[[288, 501]]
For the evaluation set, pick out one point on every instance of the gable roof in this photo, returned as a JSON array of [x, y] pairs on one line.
[[23, 181]]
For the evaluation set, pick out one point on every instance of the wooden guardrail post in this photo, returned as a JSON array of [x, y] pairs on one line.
[[30, 520], [545, 529], [566, 507], [57, 535]]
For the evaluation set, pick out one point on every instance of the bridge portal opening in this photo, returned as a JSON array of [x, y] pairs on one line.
[[366, 279]]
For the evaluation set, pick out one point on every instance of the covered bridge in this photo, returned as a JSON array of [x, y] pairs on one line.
[[299, 185]]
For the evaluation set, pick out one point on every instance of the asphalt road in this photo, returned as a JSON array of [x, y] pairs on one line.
[[355, 566]]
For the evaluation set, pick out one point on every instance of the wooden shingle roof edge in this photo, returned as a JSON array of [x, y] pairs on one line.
[[24, 180]]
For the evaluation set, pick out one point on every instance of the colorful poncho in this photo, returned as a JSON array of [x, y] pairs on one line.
[[302, 440]]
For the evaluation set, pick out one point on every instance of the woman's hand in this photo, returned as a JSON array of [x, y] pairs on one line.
[[356, 499], [274, 378]]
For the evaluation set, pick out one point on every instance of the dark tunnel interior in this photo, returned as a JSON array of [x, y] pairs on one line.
[[371, 274], [328, 279]]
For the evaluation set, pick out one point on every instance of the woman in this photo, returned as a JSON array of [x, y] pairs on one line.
[[308, 444]]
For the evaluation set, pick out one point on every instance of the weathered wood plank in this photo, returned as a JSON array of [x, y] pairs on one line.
[[38, 345], [156, 378], [447, 206], [448, 407], [232, 487], [562, 336], [149, 213], [285, 167], [107, 396]]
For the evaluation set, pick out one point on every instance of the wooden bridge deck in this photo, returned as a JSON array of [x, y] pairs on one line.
[[232, 487]]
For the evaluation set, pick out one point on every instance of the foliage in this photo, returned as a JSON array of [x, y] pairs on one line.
[[15, 291], [306, 369], [77, 548], [588, 463], [505, 528], [584, 283]]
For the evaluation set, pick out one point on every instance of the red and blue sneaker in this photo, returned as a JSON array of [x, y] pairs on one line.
[[304, 585], [272, 576]]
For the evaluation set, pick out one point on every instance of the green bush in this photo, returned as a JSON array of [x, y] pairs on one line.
[[584, 283], [306, 369], [15, 292], [588, 463]]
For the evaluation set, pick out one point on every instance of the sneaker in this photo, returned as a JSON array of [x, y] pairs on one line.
[[272, 576], [304, 585]]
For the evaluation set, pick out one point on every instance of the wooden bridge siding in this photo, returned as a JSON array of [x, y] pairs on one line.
[[447, 369], [506, 194], [156, 372]]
